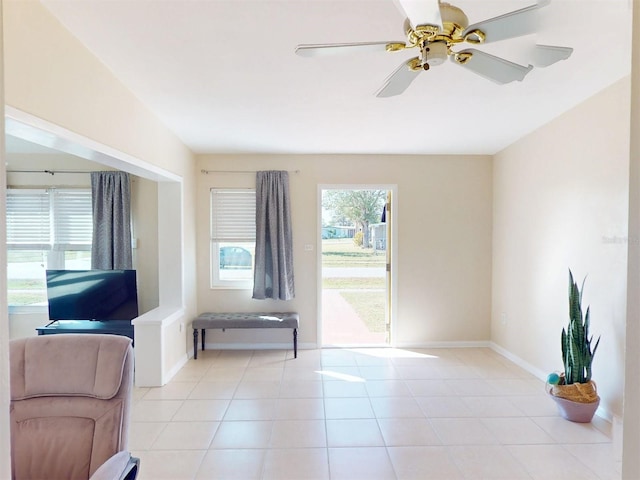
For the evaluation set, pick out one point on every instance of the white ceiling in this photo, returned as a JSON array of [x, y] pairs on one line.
[[223, 74], [18, 146]]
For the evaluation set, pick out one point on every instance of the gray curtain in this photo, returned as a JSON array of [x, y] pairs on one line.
[[111, 198], [273, 277]]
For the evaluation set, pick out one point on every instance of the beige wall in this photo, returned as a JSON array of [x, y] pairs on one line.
[[5, 440], [49, 75], [560, 202], [53, 161], [443, 244], [144, 219]]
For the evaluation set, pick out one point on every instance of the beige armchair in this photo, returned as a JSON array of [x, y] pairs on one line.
[[71, 406]]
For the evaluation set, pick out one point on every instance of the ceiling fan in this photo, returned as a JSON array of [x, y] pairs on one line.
[[435, 28]]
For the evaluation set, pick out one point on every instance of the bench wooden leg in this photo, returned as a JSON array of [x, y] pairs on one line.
[[203, 339], [195, 343], [295, 343]]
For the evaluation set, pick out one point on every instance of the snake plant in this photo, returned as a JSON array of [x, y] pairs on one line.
[[577, 355]]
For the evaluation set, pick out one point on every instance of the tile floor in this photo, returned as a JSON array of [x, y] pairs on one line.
[[361, 414]]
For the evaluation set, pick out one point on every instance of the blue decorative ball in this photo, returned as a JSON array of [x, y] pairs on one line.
[[553, 379]]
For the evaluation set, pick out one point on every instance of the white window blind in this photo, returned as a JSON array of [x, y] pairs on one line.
[[28, 219], [46, 219], [73, 214], [233, 215]]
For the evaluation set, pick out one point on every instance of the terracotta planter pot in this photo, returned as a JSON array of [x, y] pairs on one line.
[[576, 411]]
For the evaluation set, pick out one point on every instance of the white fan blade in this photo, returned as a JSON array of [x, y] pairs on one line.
[[545, 55], [340, 48], [493, 68], [398, 81], [421, 12], [513, 24]]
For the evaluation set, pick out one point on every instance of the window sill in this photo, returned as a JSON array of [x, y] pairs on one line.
[[28, 309], [231, 287]]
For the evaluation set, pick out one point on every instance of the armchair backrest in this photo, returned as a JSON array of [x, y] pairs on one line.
[[70, 403]]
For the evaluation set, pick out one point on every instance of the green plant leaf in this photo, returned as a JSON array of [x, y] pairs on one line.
[[577, 355]]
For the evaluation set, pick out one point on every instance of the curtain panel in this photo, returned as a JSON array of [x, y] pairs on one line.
[[273, 276], [111, 199]]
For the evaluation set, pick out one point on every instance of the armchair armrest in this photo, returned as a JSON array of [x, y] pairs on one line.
[[121, 466]]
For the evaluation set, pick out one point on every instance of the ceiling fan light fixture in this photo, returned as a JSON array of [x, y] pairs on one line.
[[435, 53]]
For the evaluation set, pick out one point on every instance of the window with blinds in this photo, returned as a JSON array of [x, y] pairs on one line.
[[49, 219], [233, 234], [46, 229], [28, 219], [73, 219]]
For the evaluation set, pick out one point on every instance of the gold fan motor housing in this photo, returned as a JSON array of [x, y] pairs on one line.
[[435, 43], [454, 21]]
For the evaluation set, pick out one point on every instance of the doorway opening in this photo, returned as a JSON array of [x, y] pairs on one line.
[[355, 265]]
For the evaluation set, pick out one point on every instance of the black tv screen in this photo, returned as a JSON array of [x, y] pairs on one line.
[[92, 294]]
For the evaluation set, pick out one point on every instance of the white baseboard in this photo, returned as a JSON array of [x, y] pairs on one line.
[[255, 346], [536, 372], [175, 369], [313, 346], [471, 344]]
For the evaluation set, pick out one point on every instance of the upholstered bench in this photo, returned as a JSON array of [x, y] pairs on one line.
[[245, 320]]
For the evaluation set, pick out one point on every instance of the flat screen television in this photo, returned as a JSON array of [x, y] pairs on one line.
[[92, 294]]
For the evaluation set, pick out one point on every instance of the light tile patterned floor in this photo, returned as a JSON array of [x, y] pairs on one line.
[[361, 414]]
